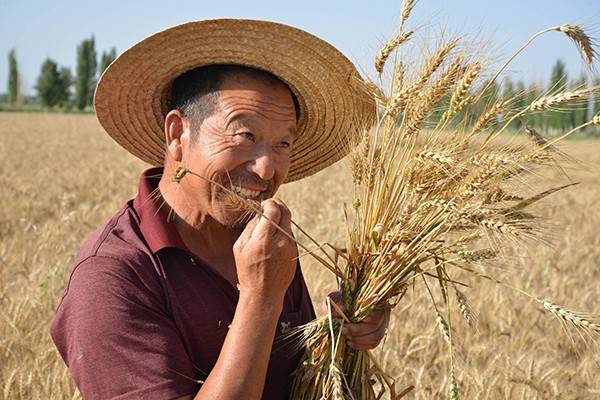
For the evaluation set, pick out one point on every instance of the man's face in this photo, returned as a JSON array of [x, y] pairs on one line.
[[244, 145]]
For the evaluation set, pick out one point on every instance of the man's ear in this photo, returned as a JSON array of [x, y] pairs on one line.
[[176, 127]]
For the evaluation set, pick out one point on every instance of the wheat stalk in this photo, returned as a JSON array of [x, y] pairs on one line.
[[428, 204], [388, 48]]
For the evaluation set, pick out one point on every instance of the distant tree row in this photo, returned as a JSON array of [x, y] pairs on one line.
[[561, 118], [520, 96], [56, 86]]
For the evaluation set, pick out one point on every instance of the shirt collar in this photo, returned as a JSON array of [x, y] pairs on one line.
[[153, 212]]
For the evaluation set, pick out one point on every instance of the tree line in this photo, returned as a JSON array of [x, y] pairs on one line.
[[56, 86]]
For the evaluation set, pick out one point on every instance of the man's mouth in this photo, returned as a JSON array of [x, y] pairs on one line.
[[245, 192]]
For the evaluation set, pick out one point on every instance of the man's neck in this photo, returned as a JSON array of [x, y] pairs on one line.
[[202, 235]]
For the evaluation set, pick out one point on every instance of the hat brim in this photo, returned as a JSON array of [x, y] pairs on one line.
[[131, 98]]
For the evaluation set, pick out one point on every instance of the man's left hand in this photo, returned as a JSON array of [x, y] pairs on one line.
[[368, 333]]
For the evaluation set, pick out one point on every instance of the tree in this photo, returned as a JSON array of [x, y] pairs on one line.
[[521, 97], [536, 120], [558, 77], [86, 73], [106, 59], [579, 111], [65, 81], [13, 78], [53, 87], [487, 98], [508, 92], [48, 84], [558, 83]]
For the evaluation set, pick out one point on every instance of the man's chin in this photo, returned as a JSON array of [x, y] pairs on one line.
[[233, 219]]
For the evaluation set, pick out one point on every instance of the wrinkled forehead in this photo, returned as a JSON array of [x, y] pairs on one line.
[[270, 90]]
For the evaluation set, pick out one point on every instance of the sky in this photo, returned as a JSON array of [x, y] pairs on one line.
[[42, 29]]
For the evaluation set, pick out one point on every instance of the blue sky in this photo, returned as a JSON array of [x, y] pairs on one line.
[[40, 29]]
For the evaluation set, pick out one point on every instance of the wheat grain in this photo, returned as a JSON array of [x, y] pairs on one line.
[[459, 98], [549, 101], [388, 48], [581, 40], [465, 308], [443, 327], [398, 78], [576, 319], [477, 255], [488, 115], [452, 388], [407, 6]]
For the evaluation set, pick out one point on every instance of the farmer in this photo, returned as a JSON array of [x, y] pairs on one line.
[[174, 297]]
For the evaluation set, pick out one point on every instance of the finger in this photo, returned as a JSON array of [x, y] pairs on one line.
[[370, 341], [285, 221], [248, 229], [271, 214], [361, 346], [337, 298], [371, 323]]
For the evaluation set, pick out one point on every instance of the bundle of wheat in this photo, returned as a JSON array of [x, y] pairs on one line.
[[438, 192]]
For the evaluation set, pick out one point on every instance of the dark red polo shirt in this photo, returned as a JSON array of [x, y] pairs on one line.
[[142, 318]]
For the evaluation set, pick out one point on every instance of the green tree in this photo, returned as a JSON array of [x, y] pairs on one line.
[[86, 73], [53, 86], [536, 120], [489, 97], [558, 83], [13, 78], [558, 77], [65, 81], [48, 85], [509, 92], [521, 97], [106, 59], [579, 111]]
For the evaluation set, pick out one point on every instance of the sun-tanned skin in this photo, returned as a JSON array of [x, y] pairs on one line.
[[246, 142]]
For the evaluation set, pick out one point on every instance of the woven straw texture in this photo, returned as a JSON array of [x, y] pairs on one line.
[[132, 95]]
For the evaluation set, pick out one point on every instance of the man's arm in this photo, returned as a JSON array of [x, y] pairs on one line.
[[265, 262]]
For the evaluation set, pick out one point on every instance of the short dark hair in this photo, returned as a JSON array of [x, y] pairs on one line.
[[194, 93]]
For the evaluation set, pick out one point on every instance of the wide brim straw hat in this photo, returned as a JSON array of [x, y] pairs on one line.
[[133, 94]]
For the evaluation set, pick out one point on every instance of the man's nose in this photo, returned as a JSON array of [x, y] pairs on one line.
[[264, 165]]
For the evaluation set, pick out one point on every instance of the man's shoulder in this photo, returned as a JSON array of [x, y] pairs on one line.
[[113, 259], [119, 238]]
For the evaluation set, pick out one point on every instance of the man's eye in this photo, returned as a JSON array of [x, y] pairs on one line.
[[284, 145], [248, 136]]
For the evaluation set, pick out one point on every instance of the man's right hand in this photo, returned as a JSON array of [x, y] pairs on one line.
[[265, 257]]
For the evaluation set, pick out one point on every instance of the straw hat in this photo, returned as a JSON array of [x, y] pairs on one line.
[[132, 95]]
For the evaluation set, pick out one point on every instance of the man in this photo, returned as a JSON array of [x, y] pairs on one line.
[[173, 297]]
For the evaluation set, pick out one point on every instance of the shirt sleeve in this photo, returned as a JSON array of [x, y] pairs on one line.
[[114, 332]]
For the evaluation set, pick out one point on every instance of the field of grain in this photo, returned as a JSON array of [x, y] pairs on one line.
[[61, 177]]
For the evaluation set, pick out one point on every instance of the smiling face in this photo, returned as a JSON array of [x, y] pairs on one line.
[[245, 145]]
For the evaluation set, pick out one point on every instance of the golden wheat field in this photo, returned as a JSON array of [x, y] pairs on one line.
[[61, 177]]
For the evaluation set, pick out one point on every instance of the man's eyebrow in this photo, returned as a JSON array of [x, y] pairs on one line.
[[241, 120]]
